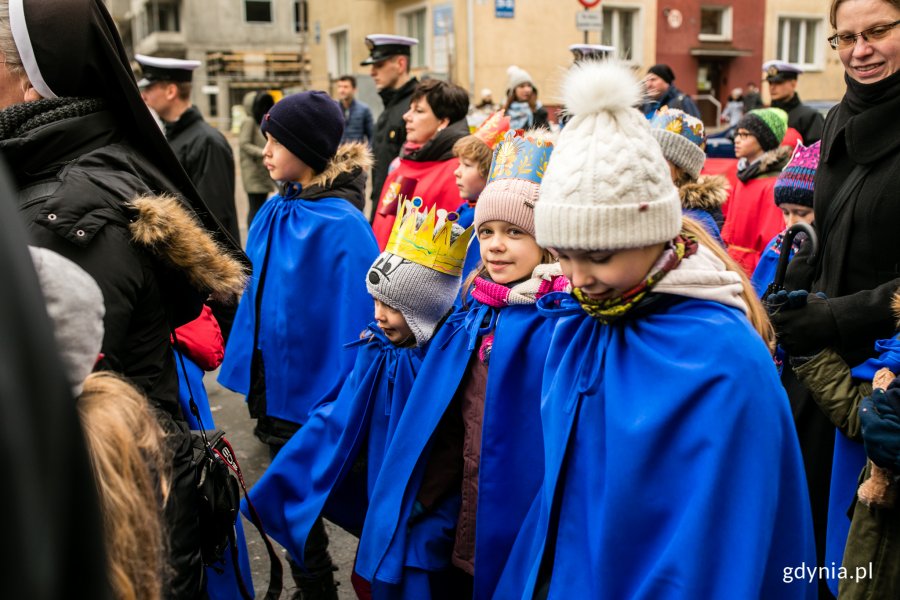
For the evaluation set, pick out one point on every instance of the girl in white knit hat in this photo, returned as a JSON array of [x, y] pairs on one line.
[[671, 465], [466, 458]]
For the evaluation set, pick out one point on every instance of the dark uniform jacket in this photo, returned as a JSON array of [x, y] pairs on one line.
[[808, 121], [390, 133], [207, 157]]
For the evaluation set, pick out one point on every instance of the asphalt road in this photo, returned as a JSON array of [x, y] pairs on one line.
[[230, 413]]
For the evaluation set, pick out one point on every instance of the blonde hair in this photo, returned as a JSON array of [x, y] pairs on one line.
[[131, 468], [756, 313]]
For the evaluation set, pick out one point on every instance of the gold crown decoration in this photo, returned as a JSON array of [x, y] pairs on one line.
[[428, 244]]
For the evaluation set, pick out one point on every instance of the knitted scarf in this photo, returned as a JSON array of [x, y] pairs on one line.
[[544, 279], [520, 115], [18, 119], [612, 309]]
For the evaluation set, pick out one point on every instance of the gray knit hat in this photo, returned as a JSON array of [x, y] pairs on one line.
[[682, 139], [421, 294], [607, 185], [75, 305]]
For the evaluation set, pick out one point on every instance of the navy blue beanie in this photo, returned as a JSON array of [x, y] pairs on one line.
[[309, 124]]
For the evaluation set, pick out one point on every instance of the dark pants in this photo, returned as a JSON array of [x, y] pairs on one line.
[[316, 558], [255, 201], [187, 574]]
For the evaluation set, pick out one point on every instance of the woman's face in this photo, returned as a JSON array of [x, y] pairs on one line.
[[873, 60], [524, 92], [421, 122]]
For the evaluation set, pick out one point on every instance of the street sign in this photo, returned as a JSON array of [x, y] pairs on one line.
[[589, 20], [589, 3], [504, 9]]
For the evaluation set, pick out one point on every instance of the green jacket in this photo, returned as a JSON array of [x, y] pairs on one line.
[[873, 544]]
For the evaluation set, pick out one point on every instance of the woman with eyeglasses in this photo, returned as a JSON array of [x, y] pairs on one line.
[[857, 268]]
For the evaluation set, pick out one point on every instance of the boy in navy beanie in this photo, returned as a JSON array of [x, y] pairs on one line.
[[311, 249]]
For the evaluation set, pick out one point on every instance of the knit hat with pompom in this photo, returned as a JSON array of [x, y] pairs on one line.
[[607, 185]]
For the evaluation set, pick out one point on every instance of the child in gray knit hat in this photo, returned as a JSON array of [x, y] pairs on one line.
[[682, 138], [413, 283], [665, 427]]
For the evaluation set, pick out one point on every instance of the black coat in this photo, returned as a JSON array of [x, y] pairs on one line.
[[808, 121], [390, 133], [75, 207], [859, 268], [207, 157]]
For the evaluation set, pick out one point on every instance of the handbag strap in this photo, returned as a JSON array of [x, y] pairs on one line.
[[276, 570]]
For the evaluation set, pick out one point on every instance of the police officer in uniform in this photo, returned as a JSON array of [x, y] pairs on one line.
[[389, 62], [782, 79], [201, 149]]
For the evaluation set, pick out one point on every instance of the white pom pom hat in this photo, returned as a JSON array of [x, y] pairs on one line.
[[607, 185]]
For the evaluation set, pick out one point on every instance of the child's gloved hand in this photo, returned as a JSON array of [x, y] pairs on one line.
[[879, 416], [804, 325]]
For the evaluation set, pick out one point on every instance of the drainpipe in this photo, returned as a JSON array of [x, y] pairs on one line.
[[470, 44]]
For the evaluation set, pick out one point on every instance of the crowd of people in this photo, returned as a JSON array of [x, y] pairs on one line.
[[548, 364]]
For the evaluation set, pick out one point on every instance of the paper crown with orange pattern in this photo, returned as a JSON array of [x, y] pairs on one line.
[[493, 129], [520, 156], [429, 244]]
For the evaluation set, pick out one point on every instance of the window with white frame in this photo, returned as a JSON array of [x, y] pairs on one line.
[[258, 11], [413, 23], [801, 41], [338, 53], [715, 24], [621, 30], [301, 18]]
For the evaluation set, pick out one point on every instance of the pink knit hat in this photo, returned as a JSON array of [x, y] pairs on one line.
[[514, 179]]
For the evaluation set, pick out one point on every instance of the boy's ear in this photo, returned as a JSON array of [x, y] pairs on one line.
[[171, 91]]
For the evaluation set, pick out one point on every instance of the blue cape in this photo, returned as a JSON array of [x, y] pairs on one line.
[[315, 469], [511, 452], [672, 468], [221, 583], [315, 299]]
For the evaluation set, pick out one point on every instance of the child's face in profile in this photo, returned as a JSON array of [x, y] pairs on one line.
[[282, 164], [392, 323], [797, 213], [469, 179], [746, 145], [509, 253], [606, 274]]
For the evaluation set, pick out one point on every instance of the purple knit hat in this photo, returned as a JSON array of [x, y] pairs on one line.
[[795, 183]]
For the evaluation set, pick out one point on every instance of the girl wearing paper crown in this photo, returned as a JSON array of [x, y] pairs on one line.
[[413, 282], [671, 466], [466, 457]]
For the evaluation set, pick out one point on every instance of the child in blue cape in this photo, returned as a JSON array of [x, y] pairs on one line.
[[794, 196], [341, 447], [311, 249], [671, 465], [466, 458]]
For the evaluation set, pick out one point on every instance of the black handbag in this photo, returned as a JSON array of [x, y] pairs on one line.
[[219, 484]]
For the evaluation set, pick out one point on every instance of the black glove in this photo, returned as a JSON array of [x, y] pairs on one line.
[[879, 415], [805, 330]]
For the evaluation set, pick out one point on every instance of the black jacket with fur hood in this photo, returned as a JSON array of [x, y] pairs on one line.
[[88, 194]]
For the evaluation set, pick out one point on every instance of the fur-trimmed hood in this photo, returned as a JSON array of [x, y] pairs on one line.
[[708, 193], [173, 235], [344, 176], [770, 164]]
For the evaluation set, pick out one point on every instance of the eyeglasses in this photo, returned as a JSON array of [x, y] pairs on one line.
[[842, 41], [742, 134]]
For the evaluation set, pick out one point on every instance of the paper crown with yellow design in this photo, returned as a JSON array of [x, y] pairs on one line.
[[521, 155], [430, 243], [493, 129]]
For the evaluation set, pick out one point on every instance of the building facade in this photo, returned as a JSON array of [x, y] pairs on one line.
[[244, 45]]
